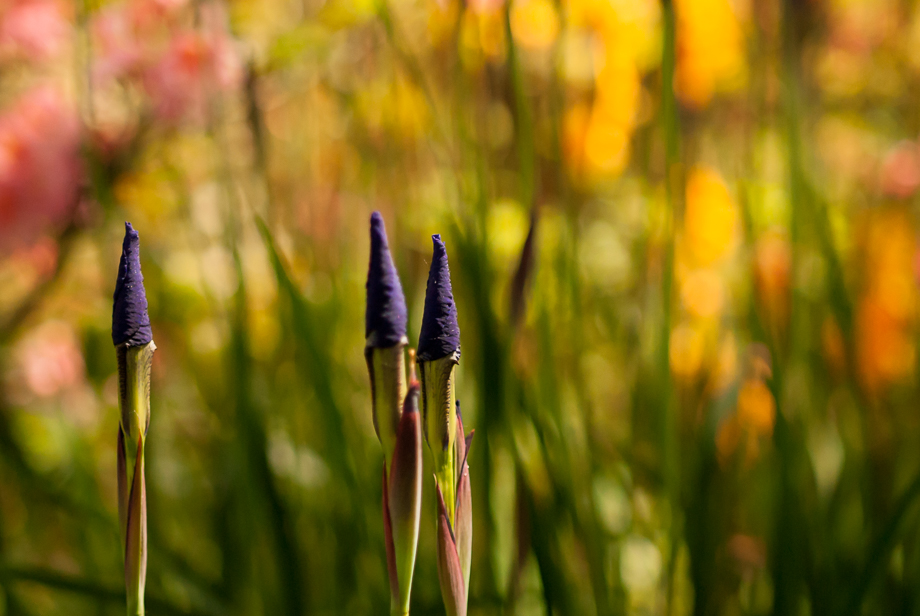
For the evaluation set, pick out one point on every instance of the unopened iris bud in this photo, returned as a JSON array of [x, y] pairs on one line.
[[130, 321], [385, 337], [440, 335], [402, 503], [134, 347], [133, 339], [455, 539], [438, 355]]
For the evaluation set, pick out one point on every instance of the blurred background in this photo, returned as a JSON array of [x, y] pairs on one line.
[[683, 237]]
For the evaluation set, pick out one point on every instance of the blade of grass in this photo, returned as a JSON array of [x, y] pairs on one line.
[[665, 403], [252, 432], [882, 547]]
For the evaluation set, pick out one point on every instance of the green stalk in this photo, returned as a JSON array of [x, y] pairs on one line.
[[667, 418], [439, 404], [387, 369], [134, 363]]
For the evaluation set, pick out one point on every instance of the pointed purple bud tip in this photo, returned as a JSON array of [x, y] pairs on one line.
[[385, 318], [440, 335], [130, 321]]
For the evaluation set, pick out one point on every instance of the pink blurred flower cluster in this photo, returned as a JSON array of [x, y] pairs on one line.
[[32, 29], [178, 54], [39, 165]]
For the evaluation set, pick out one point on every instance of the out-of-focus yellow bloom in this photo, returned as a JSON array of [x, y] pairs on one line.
[[710, 50], [574, 133], [482, 36], [507, 223], [686, 351], [534, 23], [441, 19], [710, 221], [703, 293], [606, 145], [614, 113], [726, 365], [624, 30], [885, 317]]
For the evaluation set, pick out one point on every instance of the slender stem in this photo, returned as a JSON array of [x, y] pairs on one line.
[[667, 418]]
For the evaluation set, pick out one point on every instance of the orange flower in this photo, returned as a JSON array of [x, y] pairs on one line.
[[884, 319], [756, 407], [885, 347], [772, 264]]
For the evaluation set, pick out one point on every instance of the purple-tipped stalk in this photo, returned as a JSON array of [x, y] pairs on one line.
[[396, 416], [130, 321], [385, 338], [439, 354], [385, 317], [440, 334], [134, 347]]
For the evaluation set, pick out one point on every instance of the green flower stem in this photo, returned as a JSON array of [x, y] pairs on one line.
[[387, 368], [134, 363], [440, 416]]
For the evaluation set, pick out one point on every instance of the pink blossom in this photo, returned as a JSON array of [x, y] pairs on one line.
[[117, 47], [50, 359], [196, 66], [33, 29], [39, 165], [900, 175], [179, 65], [129, 37]]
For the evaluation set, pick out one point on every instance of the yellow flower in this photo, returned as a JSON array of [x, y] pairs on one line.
[[711, 218], [686, 351], [703, 293], [710, 50], [535, 24], [622, 27]]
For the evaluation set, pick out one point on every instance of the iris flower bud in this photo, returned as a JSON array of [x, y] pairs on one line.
[[438, 355], [385, 337], [396, 416], [134, 347]]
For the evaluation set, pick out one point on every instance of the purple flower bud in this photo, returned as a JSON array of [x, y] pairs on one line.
[[385, 319], [440, 335], [130, 321]]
